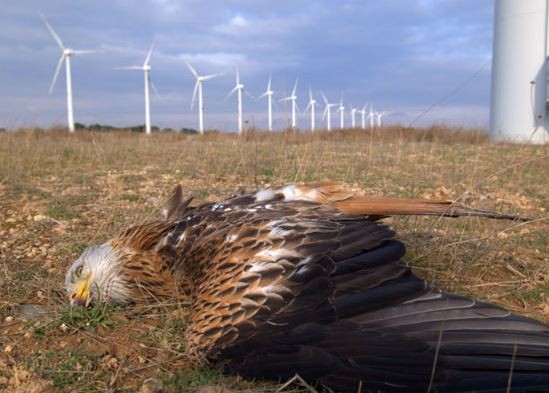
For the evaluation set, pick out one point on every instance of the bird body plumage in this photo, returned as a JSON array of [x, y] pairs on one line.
[[305, 279]]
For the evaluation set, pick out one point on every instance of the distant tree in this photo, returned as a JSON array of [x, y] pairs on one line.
[[79, 126], [188, 131]]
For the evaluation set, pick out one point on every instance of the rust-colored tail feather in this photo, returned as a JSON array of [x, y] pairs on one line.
[[385, 206], [337, 195]]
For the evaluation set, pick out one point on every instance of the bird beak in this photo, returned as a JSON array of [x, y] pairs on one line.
[[81, 297]]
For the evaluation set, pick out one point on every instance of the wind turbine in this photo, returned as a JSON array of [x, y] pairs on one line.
[[312, 103], [198, 89], [371, 116], [146, 68], [65, 58], [238, 88], [293, 99], [327, 112], [363, 116], [341, 110], [379, 116], [353, 113], [269, 94]]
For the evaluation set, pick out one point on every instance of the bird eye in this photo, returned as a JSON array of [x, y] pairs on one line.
[[78, 271]]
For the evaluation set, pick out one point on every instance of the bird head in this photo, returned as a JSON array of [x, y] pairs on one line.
[[134, 267], [97, 276]]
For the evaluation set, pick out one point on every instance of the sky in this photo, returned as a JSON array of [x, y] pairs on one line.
[[401, 56]]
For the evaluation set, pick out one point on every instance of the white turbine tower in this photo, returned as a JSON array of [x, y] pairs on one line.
[[198, 89], [341, 110], [146, 68], [371, 117], [269, 94], [353, 116], [379, 116], [312, 103], [238, 88], [327, 112], [363, 117], [65, 58], [293, 99]]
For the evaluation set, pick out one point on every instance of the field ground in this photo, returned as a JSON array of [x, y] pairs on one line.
[[60, 193]]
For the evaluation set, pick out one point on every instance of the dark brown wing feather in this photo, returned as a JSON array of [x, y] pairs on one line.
[[300, 280]]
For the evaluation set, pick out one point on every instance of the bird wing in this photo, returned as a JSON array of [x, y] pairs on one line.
[[300, 280]]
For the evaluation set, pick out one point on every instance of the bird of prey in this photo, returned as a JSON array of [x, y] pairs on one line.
[[306, 279]]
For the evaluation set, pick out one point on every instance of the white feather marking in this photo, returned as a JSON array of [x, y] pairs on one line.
[[279, 253], [231, 237], [290, 192], [265, 195]]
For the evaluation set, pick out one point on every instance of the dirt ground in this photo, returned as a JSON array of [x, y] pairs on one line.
[[60, 193]]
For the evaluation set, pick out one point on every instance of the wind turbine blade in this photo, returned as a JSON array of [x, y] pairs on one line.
[[310, 94], [191, 68], [262, 95], [324, 98], [211, 76], [85, 52], [195, 90], [132, 68], [153, 87], [148, 58], [298, 108], [56, 74], [237, 76], [53, 33], [308, 105], [231, 92], [269, 83], [326, 109], [295, 87], [285, 99]]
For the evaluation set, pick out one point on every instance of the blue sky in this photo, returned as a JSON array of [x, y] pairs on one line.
[[400, 55]]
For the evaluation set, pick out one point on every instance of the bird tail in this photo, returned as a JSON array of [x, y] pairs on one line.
[[338, 196]]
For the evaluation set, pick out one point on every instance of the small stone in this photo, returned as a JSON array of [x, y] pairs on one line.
[[9, 319], [28, 334], [151, 385], [40, 217], [10, 220], [64, 328], [8, 348]]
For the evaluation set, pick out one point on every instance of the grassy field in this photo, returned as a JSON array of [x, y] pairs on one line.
[[60, 193]]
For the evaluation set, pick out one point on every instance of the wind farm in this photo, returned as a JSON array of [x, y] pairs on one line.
[[272, 116]]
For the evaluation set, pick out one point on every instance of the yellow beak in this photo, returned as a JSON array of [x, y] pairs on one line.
[[81, 296]]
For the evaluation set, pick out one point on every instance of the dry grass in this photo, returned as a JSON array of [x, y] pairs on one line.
[[61, 192]]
